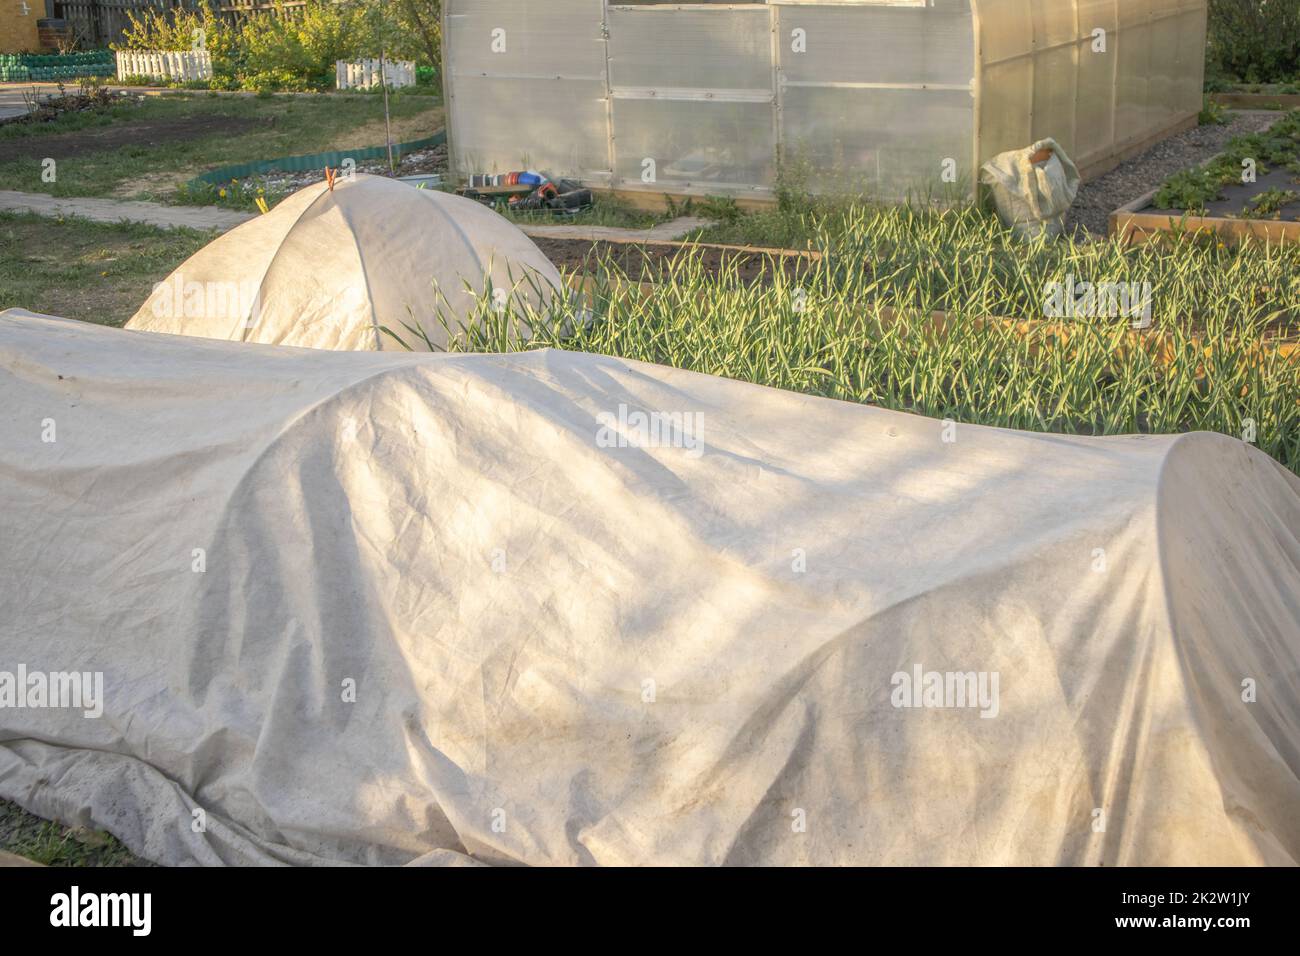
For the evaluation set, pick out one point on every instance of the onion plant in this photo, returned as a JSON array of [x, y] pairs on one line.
[[859, 324]]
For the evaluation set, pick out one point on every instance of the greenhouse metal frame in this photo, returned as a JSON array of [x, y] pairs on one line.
[[893, 97]]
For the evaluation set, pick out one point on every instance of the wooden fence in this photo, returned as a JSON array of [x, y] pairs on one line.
[[245, 9], [364, 74], [165, 66], [97, 23]]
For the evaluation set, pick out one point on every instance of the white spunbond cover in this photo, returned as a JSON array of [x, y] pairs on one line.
[[384, 608], [330, 268], [1033, 197]]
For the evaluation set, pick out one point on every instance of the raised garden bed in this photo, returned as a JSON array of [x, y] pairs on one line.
[[600, 269], [1214, 198], [1257, 101], [659, 259]]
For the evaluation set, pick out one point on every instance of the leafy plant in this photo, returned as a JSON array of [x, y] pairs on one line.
[[1269, 203], [1212, 113], [293, 48], [415, 32], [298, 51], [1191, 189], [718, 208], [235, 194], [180, 29]]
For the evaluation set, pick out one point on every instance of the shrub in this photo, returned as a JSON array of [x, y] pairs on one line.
[[1255, 41], [299, 52], [292, 50], [177, 30]]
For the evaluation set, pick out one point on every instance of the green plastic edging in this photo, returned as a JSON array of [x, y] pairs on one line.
[[296, 164]]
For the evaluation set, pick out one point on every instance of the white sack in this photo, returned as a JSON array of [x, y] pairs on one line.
[[1032, 198], [330, 268], [568, 653]]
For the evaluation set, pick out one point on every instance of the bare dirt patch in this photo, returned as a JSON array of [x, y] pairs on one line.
[[141, 133], [154, 184], [405, 130]]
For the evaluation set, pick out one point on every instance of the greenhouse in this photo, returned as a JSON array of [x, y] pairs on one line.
[[889, 96]]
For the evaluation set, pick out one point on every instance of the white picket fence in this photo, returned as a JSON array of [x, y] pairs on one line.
[[168, 66], [364, 74]]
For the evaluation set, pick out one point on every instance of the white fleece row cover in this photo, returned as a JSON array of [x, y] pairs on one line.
[[360, 266], [384, 608]]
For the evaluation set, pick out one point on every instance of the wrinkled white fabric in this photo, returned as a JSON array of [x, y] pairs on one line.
[[1033, 198], [333, 269], [569, 653]]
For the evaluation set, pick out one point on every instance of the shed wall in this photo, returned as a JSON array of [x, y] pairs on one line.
[[18, 26]]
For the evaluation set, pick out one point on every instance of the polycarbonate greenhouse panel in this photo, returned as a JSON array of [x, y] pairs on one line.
[[877, 44], [1099, 76], [886, 96], [704, 49], [1053, 107], [1093, 134], [1135, 77], [891, 144], [708, 146], [527, 87], [692, 98], [877, 99], [501, 129], [527, 37]]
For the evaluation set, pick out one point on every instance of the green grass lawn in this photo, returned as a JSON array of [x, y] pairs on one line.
[[86, 270], [49, 843], [206, 131]]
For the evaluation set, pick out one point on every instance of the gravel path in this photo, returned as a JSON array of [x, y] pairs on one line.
[[1102, 196]]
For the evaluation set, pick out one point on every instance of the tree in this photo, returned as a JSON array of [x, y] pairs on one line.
[[416, 32]]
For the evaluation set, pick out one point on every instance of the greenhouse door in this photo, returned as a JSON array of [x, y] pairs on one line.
[[692, 99], [526, 87], [876, 97]]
